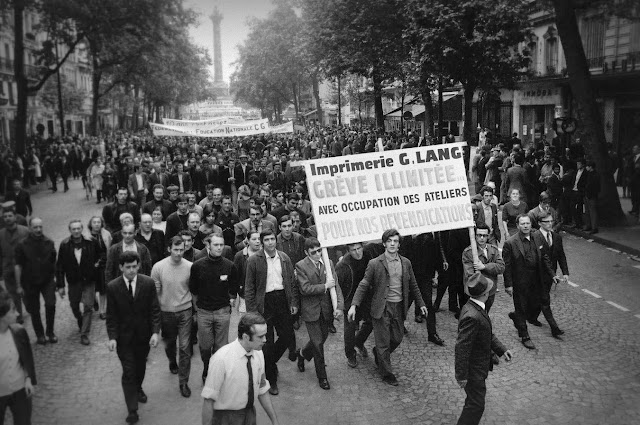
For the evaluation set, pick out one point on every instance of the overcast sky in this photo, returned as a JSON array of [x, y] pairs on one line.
[[234, 29]]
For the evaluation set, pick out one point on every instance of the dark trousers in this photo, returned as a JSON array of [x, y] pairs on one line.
[[133, 358], [525, 298], [65, 177], [451, 280], [54, 181], [32, 303], [424, 283], [246, 416], [591, 208], [388, 332], [543, 306], [474, 403], [352, 338], [85, 294], [177, 326], [489, 303], [278, 318], [314, 349], [20, 406], [577, 204]]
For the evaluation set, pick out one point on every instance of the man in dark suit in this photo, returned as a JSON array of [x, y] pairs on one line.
[[180, 178], [390, 278], [474, 347], [242, 171], [487, 213], [555, 250], [527, 267], [274, 295], [21, 197], [111, 212], [158, 177], [133, 324], [138, 185], [591, 192], [316, 308], [158, 201], [516, 178], [635, 181]]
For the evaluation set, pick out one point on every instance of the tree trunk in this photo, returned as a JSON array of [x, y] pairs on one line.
[[428, 111], [157, 108], [468, 112], [21, 78], [402, 96], [316, 95], [588, 113], [136, 107], [60, 105], [296, 106], [377, 93], [96, 76]]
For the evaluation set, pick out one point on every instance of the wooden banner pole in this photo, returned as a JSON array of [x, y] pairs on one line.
[[329, 277]]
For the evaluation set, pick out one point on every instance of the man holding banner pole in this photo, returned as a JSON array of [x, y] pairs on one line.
[[390, 279]]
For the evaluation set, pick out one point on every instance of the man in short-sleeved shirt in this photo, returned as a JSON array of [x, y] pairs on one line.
[[228, 397]]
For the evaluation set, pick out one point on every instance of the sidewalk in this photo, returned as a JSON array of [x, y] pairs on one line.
[[625, 239]]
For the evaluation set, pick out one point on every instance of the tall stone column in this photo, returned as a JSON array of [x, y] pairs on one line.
[[216, 18]]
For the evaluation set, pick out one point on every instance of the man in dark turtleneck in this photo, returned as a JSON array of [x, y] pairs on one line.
[[350, 271], [213, 281], [35, 272]]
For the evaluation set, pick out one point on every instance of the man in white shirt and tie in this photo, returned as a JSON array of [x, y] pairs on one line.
[[236, 377]]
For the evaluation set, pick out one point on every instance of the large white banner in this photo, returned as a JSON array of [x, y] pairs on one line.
[[246, 128], [356, 198], [202, 123]]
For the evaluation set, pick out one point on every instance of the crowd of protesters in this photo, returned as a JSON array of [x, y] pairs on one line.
[[207, 218]]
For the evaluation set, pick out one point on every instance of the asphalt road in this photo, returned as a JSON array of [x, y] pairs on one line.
[[591, 377]]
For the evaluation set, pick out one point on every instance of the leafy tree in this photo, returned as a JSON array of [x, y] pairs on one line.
[[363, 37], [59, 31], [590, 119], [73, 97], [470, 41]]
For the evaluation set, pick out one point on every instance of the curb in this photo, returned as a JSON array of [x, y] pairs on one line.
[[612, 244]]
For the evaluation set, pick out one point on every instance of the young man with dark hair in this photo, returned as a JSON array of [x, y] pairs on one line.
[[271, 290], [237, 377], [133, 324], [487, 213], [178, 220], [171, 277], [316, 308], [390, 278]]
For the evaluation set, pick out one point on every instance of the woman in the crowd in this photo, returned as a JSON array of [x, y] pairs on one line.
[[17, 370], [158, 223], [208, 223], [511, 210], [96, 231]]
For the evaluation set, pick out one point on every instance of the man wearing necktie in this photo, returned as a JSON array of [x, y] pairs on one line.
[[237, 377], [315, 306], [555, 250], [133, 324]]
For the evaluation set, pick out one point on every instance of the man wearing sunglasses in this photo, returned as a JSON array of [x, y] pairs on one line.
[[555, 250], [315, 306], [490, 264]]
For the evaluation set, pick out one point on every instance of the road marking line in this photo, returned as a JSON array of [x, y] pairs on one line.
[[637, 267], [575, 285], [593, 294], [638, 316], [614, 250], [618, 306], [589, 240]]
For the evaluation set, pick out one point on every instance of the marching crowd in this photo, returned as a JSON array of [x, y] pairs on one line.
[[193, 229]]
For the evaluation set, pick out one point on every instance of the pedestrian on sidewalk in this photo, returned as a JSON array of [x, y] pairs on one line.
[[171, 277], [474, 347], [17, 370], [78, 261], [591, 193], [133, 324], [35, 275], [21, 197], [230, 393]]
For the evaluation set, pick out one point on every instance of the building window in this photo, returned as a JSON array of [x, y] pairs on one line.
[[532, 47], [551, 51], [593, 40], [635, 37]]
